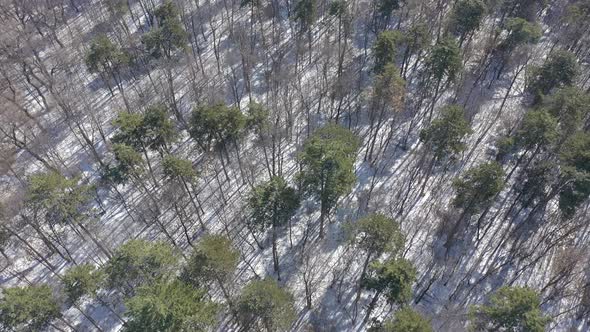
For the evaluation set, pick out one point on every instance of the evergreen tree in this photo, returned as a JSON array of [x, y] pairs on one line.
[[257, 118], [475, 191], [58, 197], [559, 70], [168, 34], [444, 61], [216, 123], [466, 17], [305, 14], [170, 306], [385, 8], [327, 161], [416, 39], [571, 107], [214, 259], [30, 308], [520, 32], [104, 56], [575, 168], [538, 129], [158, 130], [177, 167], [444, 136], [272, 205], [443, 64], [264, 306], [535, 182], [375, 234], [510, 309], [62, 202], [385, 49], [129, 164], [479, 185], [406, 320], [139, 262], [393, 278], [82, 280], [389, 95], [106, 59], [153, 130]]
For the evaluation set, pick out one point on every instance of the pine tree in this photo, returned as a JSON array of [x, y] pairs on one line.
[[272, 205], [510, 309], [571, 107], [305, 13], [466, 17], [82, 280], [214, 259], [444, 136], [216, 124], [520, 32], [385, 49], [139, 262], [170, 306], [30, 308], [327, 161], [107, 59], [63, 202], [478, 186], [375, 234], [475, 191], [405, 320], [575, 167], [559, 70], [168, 35], [393, 279], [264, 306]]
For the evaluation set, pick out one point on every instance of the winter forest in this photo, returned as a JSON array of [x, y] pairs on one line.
[[294, 165]]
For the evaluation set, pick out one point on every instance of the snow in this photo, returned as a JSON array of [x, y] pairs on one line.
[[448, 283]]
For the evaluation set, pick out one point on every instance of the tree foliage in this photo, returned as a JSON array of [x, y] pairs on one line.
[[327, 161], [538, 129], [170, 306], [139, 262], [520, 32], [272, 204], [213, 259], [376, 234], [570, 106], [510, 309], [29, 308], [559, 70], [153, 130], [264, 305], [175, 167], [168, 34], [305, 14], [389, 90], [104, 56], [466, 17], [82, 280], [216, 123], [575, 165], [405, 320], [385, 48], [479, 185], [393, 278], [59, 198], [444, 60], [444, 136]]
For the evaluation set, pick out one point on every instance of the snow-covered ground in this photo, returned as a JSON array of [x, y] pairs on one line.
[[299, 95]]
